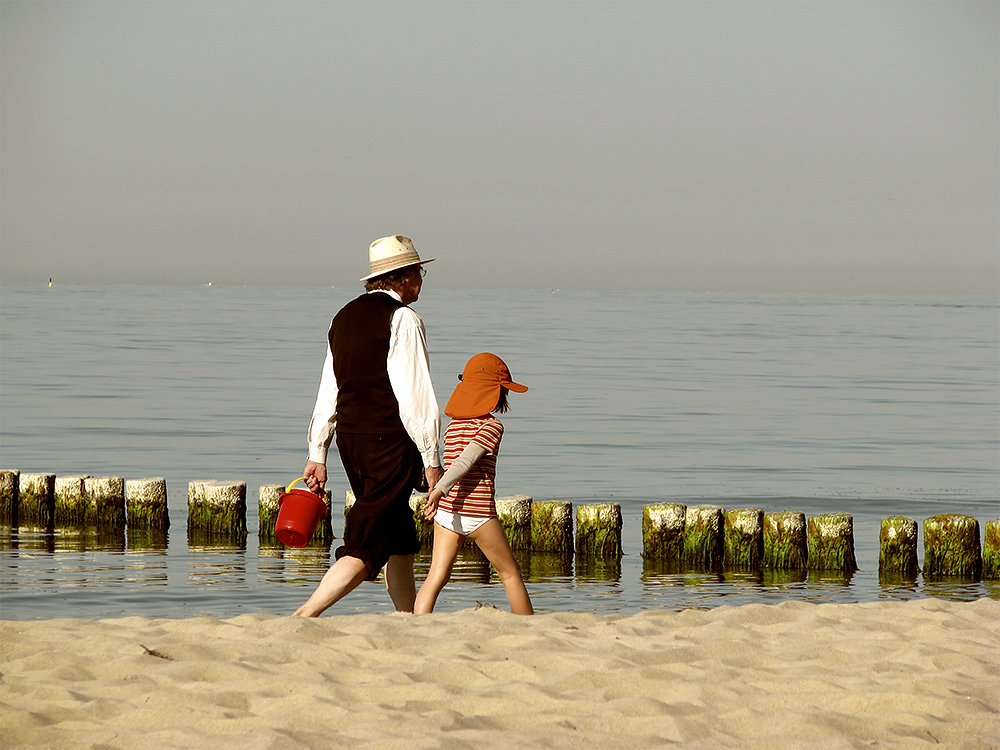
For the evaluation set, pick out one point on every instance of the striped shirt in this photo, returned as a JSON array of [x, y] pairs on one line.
[[474, 494]]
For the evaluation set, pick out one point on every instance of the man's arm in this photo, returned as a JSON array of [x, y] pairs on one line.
[[322, 426], [410, 375]]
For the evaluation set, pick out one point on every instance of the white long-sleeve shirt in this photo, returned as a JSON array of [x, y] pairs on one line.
[[410, 376]]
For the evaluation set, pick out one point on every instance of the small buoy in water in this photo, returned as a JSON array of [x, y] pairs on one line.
[[50, 282]]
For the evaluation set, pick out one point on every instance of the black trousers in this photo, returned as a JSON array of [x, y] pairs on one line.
[[381, 470]]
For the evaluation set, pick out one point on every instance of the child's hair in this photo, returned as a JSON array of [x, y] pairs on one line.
[[502, 406]]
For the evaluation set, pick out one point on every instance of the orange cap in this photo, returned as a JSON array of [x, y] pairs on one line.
[[478, 393]]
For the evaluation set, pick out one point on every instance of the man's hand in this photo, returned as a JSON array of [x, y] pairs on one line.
[[432, 503], [315, 475], [433, 474]]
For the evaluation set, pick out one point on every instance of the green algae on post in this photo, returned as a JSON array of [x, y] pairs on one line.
[[831, 542], [514, 513], [425, 528], [743, 539], [268, 498], [552, 526], [951, 546], [36, 500], [991, 551], [785, 544], [217, 510], [9, 483], [898, 546], [105, 502], [702, 547], [70, 502], [599, 530], [663, 531], [146, 504]]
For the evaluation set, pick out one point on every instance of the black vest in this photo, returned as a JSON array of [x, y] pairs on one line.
[[359, 340]]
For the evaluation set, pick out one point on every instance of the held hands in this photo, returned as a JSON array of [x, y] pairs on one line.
[[315, 475], [432, 503], [433, 474]]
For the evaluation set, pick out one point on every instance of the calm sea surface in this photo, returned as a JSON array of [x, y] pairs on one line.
[[874, 406]]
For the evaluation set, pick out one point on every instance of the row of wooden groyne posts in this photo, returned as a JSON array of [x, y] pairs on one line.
[[702, 537]]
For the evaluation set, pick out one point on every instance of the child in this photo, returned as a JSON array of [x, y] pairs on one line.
[[463, 502]]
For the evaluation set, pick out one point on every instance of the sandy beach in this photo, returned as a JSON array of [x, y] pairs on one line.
[[887, 674]]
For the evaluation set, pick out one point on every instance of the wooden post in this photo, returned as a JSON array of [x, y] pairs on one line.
[[702, 537], [324, 529], [898, 546], [267, 514], [146, 504], [36, 500], [831, 542], [663, 531], [514, 513], [743, 539], [217, 511], [105, 502], [9, 499], [991, 551], [552, 526], [951, 546], [599, 530], [425, 528], [785, 545], [70, 501]]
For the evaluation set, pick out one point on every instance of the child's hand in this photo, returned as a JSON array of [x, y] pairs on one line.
[[432, 503]]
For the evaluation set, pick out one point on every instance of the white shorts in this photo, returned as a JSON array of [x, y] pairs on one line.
[[459, 522]]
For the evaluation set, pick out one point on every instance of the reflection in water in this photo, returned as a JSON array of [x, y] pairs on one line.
[[148, 568], [88, 540], [830, 578], [955, 588], [293, 565], [142, 540], [897, 585], [539, 567], [783, 578], [84, 573], [203, 539], [216, 568], [590, 568]]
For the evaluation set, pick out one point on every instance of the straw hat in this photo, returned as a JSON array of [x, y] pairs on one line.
[[483, 377], [388, 254]]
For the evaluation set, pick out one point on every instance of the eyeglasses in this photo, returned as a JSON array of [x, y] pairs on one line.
[[423, 271]]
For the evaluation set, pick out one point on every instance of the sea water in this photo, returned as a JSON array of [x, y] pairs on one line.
[[869, 405]]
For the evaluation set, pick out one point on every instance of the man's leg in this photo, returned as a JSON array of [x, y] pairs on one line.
[[399, 581], [341, 579]]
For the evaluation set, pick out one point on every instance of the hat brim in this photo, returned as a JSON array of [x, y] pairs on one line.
[[476, 398], [371, 276]]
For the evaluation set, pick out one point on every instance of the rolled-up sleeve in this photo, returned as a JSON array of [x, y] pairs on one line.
[[324, 418], [410, 375]]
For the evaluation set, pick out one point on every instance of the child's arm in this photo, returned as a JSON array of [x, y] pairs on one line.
[[458, 469]]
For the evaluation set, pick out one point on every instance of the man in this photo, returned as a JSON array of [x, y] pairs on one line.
[[376, 396]]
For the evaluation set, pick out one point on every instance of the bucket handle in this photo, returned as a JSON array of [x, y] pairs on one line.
[[289, 487]]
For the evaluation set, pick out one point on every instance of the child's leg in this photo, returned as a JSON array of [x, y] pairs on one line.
[[446, 546], [493, 542]]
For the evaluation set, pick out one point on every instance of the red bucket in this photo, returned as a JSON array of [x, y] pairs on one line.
[[299, 513]]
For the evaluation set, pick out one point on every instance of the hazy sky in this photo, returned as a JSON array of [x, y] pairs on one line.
[[675, 145]]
